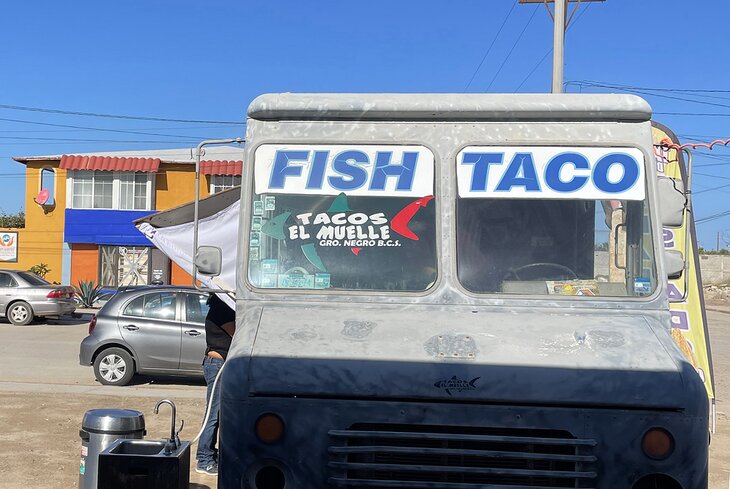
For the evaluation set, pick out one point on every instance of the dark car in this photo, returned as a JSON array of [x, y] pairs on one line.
[[24, 295], [150, 330]]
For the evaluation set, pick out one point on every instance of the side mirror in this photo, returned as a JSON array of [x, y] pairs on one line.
[[674, 262], [209, 260], [672, 201]]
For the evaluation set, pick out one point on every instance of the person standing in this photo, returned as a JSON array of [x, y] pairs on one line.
[[219, 328]]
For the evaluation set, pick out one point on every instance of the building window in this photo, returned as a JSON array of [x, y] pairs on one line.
[[124, 265], [219, 183], [110, 190], [103, 190], [83, 190], [48, 183], [133, 191]]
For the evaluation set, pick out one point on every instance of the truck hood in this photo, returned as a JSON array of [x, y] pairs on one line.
[[608, 359]]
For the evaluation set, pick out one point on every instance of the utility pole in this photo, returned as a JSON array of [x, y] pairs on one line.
[[559, 44], [560, 24]]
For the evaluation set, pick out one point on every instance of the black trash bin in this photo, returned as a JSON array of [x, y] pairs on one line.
[[99, 429]]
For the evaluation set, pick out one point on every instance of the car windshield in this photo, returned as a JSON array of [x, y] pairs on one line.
[[33, 279]]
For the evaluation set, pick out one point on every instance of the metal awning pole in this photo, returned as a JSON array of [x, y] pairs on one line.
[[198, 151]]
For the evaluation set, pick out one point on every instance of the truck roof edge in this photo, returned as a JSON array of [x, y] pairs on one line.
[[449, 107]]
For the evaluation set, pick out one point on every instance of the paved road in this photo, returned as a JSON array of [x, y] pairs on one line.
[[45, 358]]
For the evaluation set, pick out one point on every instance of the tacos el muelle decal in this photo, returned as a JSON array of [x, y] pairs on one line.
[[301, 249], [356, 229]]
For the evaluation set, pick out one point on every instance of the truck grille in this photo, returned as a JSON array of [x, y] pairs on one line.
[[459, 457]]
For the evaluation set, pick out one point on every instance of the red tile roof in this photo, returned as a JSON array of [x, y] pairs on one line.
[[108, 163], [218, 167]]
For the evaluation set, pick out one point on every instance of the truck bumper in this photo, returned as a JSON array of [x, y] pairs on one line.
[[341, 443]]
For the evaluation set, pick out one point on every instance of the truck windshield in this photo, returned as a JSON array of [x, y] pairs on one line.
[[342, 242], [561, 247]]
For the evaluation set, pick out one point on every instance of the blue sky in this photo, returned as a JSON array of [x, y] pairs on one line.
[[206, 60]]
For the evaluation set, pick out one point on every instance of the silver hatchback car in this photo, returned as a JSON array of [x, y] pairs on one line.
[[24, 295], [150, 330]]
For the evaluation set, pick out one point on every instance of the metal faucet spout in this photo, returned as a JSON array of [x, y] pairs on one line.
[[172, 421]]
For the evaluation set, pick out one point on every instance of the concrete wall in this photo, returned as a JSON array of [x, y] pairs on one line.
[[175, 185], [715, 269]]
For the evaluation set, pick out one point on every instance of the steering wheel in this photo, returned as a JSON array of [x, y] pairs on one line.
[[566, 272]]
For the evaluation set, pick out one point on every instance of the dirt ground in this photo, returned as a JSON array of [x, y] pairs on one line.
[[40, 444]]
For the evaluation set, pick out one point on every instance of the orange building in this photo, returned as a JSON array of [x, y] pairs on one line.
[[79, 212]]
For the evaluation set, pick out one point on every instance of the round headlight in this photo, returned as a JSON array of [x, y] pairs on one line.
[[269, 428], [657, 443]]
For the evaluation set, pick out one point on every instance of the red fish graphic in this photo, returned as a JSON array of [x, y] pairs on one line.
[[400, 221]]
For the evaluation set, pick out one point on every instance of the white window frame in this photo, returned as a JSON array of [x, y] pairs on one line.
[[116, 192], [222, 187]]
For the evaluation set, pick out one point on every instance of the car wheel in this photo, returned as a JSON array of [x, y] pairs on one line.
[[20, 313], [114, 366]]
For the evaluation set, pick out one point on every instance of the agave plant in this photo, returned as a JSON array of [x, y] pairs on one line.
[[88, 292]]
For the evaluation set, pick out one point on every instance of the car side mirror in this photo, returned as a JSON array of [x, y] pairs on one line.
[[674, 263], [209, 260], [672, 201]]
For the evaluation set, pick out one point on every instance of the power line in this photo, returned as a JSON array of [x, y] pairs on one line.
[[45, 141], [700, 136], [712, 176], [513, 48], [29, 138], [707, 165], [86, 128], [533, 70], [712, 217], [644, 92], [114, 116], [489, 49], [721, 157], [658, 89], [550, 50], [711, 189], [694, 114]]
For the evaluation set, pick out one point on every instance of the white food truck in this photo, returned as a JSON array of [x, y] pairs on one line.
[[452, 291]]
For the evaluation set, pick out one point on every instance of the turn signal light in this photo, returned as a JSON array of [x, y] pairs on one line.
[[657, 443], [269, 428]]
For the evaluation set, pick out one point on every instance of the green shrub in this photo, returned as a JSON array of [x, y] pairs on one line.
[[40, 269], [12, 220], [88, 292]]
